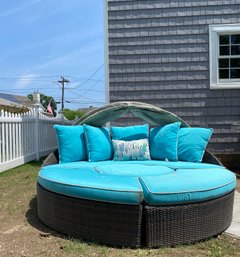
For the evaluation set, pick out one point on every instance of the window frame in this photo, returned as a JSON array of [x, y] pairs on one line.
[[214, 32]]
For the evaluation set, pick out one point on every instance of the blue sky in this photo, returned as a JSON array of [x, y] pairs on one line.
[[42, 40]]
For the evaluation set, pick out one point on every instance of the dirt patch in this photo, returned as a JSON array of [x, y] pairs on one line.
[[238, 185], [21, 233], [26, 236]]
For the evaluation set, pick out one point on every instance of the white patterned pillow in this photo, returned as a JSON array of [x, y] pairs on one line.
[[131, 150]]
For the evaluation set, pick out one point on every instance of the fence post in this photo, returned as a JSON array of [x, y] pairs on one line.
[[36, 132]]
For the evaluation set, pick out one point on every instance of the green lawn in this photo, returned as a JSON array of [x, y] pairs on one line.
[[19, 221]]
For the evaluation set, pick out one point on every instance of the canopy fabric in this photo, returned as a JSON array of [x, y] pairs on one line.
[[147, 112]]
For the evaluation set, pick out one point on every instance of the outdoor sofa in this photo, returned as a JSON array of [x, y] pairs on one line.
[[131, 186]]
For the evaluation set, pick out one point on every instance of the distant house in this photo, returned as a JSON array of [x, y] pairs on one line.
[[180, 55], [14, 103]]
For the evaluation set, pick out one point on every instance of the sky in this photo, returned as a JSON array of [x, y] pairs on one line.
[[42, 40]]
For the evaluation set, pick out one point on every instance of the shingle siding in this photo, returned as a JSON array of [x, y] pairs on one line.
[[159, 53]]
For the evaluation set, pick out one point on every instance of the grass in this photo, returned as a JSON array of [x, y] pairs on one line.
[[217, 247], [17, 186], [18, 206]]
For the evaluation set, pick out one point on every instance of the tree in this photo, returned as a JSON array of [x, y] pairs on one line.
[[72, 114], [44, 100]]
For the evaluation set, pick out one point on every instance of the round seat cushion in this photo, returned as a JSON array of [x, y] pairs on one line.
[[138, 181], [84, 182], [188, 185]]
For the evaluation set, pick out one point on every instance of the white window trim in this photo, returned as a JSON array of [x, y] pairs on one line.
[[214, 32]]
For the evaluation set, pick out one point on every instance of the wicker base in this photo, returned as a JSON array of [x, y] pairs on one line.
[[107, 223], [181, 224], [131, 225]]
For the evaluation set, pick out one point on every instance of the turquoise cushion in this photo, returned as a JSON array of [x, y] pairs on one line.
[[131, 150], [163, 142], [86, 183], [133, 169], [188, 185], [192, 143], [98, 142], [71, 143], [130, 133], [132, 181], [184, 165], [171, 165]]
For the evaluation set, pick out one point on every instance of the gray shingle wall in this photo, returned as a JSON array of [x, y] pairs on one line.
[[159, 54]]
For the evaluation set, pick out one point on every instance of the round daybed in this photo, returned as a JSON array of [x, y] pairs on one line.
[[136, 203]]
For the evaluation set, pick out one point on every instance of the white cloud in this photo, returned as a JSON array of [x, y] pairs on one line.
[[69, 58], [20, 8], [25, 81], [73, 85]]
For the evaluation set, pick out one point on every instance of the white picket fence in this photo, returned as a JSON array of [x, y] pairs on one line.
[[26, 137]]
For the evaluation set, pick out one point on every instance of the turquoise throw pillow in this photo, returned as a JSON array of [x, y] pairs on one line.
[[192, 143], [163, 142], [98, 142], [131, 150], [130, 133], [71, 143]]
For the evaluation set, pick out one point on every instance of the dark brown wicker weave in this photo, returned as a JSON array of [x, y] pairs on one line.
[[132, 225], [172, 225], [129, 225], [111, 224]]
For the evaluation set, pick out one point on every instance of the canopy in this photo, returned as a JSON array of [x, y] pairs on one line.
[[147, 112]]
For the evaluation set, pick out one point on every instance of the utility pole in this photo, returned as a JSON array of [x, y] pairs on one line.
[[62, 82]]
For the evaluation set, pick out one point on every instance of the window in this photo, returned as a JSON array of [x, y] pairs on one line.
[[224, 49]]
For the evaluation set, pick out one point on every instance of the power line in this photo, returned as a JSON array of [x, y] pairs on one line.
[[62, 82], [82, 78], [86, 101], [76, 86], [90, 76], [90, 99], [28, 89], [43, 78], [90, 87], [49, 90], [86, 91], [28, 77]]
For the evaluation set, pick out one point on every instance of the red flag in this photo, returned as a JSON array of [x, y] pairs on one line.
[[49, 108]]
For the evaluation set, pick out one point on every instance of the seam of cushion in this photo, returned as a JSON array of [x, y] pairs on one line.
[[181, 192], [90, 187], [84, 165], [202, 168], [96, 168], [94, 199]]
